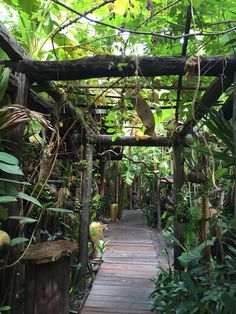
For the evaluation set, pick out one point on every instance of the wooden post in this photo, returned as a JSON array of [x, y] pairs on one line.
[[178, 182], [84, 225], [158, 204], [102, 179], [234, 139]]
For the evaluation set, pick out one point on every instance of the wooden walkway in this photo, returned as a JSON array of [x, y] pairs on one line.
[[122, 284]]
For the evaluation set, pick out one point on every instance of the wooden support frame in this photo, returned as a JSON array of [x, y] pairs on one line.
[[110, 66], [178, 164], [84, 226], [132, 141], [16, 53]]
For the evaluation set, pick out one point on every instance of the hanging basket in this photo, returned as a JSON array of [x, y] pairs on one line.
[[196, 177]]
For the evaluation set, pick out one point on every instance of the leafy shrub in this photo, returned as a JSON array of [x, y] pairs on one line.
[[200, 287]]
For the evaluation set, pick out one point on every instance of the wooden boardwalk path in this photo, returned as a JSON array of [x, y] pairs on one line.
[[122, 284]]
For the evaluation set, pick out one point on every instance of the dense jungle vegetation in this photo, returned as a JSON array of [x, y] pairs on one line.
[[43, 163]]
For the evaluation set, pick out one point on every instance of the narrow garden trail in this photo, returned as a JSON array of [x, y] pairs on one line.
[[122, 284]]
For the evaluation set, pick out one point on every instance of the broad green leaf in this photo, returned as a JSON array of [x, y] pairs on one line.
[[15, 181], [27, 220], [220, 172], [111, 130], [18, 240], [12, 169], [61, 210], [23, 220], [4, 79], [5, 308], [29, 198], [9, 159], [7, 199], [7, 188], [185, 307]]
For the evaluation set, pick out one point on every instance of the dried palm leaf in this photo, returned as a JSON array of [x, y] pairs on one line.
[[16, 114]]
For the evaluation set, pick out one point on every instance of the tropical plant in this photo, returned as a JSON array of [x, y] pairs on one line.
[[199, 287]]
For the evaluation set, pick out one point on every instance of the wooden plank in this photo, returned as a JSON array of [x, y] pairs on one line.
[[123, 281], [109, 66], [118, 304], [101, 310]]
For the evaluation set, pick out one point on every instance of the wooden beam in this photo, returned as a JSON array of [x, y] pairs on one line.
[[84, 223], [119, 66], [210, 97], [154, 87], [131, 141], [15, 52], [11, 46], [35, 102]]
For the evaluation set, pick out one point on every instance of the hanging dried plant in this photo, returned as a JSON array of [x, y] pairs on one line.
[[15, 114]]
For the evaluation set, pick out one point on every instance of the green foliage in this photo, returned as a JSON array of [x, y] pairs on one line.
[[101, 247], [4, 78], [200, 288], [74, 279], [4, 308]]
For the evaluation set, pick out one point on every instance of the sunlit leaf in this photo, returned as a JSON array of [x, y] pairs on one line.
[[12, 169], [29, 198], [61, 210]]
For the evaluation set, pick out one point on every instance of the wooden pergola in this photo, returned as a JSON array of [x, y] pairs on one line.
[[26, 71]]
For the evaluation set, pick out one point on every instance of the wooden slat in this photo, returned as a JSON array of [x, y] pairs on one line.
[[123, 282]]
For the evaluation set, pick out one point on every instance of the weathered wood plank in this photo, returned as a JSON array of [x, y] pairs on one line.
[[92, 310], [119, 66]]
